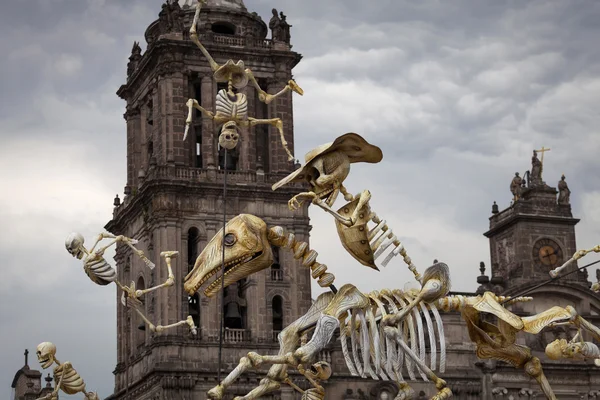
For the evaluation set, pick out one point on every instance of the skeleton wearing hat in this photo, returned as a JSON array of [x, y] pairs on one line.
[[100, 272], [325, 169], [232, 107]]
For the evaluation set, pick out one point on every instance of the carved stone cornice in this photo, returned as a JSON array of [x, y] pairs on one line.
[[131, 113]]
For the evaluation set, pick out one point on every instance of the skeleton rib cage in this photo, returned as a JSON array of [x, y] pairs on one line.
[[371, 347]]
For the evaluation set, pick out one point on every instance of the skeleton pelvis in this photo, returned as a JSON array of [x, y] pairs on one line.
[[355, 238]]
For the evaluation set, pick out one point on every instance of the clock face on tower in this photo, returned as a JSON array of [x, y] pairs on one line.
[[547, 254]]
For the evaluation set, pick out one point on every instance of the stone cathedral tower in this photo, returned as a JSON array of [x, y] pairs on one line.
[[174, 201]]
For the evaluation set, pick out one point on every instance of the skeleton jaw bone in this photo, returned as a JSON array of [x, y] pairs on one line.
[[246, 253], [46, 352], [74, 245]]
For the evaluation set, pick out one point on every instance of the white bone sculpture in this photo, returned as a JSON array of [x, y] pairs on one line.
[[232, 107], [66, 377], [101, 273]]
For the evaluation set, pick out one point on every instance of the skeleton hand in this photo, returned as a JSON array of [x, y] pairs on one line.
[[296, 201]]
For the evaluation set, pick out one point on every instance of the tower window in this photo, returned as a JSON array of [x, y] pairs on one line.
[[277, 306], [192, 253], [140, 336], [276, 271], [224, 28]]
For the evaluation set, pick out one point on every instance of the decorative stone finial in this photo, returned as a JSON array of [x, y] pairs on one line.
[[26, 354], [48, 380], [117, 201]]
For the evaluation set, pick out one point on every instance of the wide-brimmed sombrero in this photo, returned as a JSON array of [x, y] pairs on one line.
[[353, 145], [234, 71]]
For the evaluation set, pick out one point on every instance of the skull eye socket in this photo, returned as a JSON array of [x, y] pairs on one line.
[[229, 239]]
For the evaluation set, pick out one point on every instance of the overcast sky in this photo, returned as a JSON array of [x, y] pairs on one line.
[[457, 94]]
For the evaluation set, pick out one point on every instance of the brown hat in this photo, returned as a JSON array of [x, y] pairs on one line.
[[353, 145]]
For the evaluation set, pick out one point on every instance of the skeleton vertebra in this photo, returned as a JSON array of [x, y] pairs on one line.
[[101, 273], [66, 377], [232, 107]]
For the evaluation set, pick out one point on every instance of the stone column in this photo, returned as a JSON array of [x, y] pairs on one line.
[[132, 116], [207, 99]]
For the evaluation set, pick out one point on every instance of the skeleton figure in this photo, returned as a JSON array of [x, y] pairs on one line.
[[248, 243], [101, 273], [576, 348], [325, 169], [232, 107], [66, 377], [499, 341], [320, 371], [382, 333]]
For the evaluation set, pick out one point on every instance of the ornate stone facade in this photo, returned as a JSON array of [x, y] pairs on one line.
[[174, 201]]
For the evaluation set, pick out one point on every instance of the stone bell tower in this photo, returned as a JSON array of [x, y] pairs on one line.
[[534, 235], [173, 200]]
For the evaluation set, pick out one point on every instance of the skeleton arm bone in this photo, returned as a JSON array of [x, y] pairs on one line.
[[191, 104], [578, 254]]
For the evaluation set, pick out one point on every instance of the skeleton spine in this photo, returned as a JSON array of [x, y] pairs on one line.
[[301, 250], [387, 233]]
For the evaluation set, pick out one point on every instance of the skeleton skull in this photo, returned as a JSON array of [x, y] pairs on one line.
[[45, 354], [320, 371], [229, 136], [74, 245]]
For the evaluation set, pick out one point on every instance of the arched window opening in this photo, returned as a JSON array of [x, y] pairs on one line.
[[224, 28], [276, 271], [140, 336], [195, 92], [192, 247], [192, 254], [194, 308], [277, 306]]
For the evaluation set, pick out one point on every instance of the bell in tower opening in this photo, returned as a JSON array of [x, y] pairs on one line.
[[234, 309]]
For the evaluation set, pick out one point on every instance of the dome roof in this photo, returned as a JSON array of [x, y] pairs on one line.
[[234, 4]]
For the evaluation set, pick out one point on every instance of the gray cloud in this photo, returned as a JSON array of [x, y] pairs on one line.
[[457, 94]]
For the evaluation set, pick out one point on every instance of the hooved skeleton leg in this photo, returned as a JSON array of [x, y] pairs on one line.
[[443, 391], [289, 340], [277, 123]]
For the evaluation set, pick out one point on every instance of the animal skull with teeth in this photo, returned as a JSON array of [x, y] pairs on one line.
[[46, 352], [245, 253]]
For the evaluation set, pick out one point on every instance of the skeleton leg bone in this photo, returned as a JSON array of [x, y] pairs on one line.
[[289, 340], [168, 255], [443, 391], [277, 123]]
